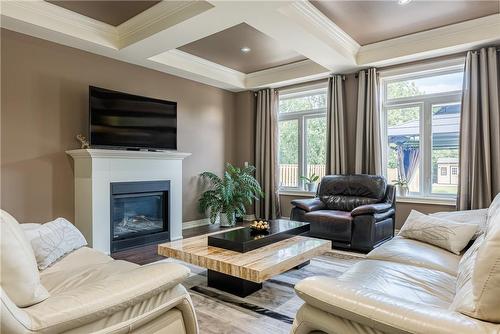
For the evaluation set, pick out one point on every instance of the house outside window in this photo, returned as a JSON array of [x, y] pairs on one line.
[[421, 127], [302, 135]]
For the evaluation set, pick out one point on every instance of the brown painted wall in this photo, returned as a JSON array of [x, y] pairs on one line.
[[44, 105], [244, 129], [404, 209]]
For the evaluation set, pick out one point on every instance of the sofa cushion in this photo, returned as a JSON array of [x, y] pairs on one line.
[[401, 281], [117, 298], [463, 294], [443, 233], [484, 301], [20, 277], [413, 252], [330, 223], [81, 267], [346, 192]]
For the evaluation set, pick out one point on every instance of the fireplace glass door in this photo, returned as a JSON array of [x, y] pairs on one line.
[[138, 214]]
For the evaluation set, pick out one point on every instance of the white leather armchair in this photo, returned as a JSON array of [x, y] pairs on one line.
[[92, 293]]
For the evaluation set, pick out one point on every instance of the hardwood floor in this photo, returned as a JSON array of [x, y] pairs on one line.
[[149, 253]]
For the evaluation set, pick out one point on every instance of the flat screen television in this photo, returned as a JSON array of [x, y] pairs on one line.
[[120, 120]]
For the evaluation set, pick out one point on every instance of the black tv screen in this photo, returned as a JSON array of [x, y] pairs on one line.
[[130, 121]]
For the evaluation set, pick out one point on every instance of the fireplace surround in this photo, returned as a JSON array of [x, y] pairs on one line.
[[140, 213], [99, 173]]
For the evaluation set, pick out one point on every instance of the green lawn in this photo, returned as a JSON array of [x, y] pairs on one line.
[[448, 189]]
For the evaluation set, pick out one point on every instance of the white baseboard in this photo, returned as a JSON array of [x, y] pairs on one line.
[[195, 223]]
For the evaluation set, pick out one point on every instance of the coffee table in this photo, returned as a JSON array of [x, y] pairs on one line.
[[243, 273]]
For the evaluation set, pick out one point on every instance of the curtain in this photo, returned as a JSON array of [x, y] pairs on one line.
[[479, 179], [407, 162], [266, 155], [368, 140], [336, 155]]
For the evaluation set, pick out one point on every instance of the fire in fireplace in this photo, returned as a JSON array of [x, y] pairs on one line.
[[139, 213]]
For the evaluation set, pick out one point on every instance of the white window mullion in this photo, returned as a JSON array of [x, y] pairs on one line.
[[301, 151]]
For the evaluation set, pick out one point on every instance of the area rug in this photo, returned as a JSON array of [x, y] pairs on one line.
[[268, 311]]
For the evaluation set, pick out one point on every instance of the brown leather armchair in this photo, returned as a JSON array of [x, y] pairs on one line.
[[353, 211]]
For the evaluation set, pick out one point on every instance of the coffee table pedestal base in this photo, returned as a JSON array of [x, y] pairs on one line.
[[234, 285]]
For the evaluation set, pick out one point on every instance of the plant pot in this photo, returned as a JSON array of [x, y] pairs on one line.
[[402, 191], [311, 187], [224, 222]]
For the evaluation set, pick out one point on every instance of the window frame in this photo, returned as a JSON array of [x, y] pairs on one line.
[[426, 103], [301, 117]]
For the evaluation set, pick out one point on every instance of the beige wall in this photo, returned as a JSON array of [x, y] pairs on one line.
[[404, 209], [44, 104], [244, 129]]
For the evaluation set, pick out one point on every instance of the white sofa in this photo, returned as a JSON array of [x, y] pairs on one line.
[[89, 292], [404, 286]]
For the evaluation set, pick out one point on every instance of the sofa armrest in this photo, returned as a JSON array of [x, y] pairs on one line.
[[370, 209], [102, 298], [383, 312], [310, 204]]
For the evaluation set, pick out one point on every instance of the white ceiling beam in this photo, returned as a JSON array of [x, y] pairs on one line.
[[182, 61], [450, 39], [37, 15], [206, 23], [299, 26], [160, 17], [284, 75]]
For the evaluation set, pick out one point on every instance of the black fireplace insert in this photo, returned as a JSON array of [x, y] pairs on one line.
[[139, 213]]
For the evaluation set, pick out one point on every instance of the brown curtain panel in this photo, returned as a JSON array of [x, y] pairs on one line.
[[368, 140], [336, 151], [266, 153], [480, 131]]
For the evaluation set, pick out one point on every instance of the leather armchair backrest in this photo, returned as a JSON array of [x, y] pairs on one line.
[[347, 192]]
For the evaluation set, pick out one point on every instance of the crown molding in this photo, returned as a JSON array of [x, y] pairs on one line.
[[288, 74], [436, 42], [157, 18], [55, 18], [184, 61], [327, 27]]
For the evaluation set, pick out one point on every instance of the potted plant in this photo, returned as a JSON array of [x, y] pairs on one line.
[[402, 186], [228, 195], [310, 181]]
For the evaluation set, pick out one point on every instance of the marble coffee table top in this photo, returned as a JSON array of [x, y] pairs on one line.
[[257, 265]]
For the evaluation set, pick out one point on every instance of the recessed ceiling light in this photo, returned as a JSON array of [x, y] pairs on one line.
[[245, 49], [404, 2]]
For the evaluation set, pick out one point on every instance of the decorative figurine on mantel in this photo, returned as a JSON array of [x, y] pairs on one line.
[[83, 141]]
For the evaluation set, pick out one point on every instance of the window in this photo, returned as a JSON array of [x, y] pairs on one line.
[[302, 135], [421, 128]]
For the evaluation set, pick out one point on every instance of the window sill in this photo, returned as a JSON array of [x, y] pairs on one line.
[[301, 193], [427, 200]]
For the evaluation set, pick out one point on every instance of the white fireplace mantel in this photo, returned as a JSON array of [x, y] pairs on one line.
[[96, 169]]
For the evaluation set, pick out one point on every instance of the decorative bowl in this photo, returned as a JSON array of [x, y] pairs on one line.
[[259, 226]]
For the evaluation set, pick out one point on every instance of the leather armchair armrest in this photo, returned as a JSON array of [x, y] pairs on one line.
[[371, 209], [309, 205], [95, 300], [383, 312]]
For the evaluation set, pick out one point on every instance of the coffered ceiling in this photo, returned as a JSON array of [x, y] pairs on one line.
[[111, 12], [289, 41], [260, 51], [374, 21]]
